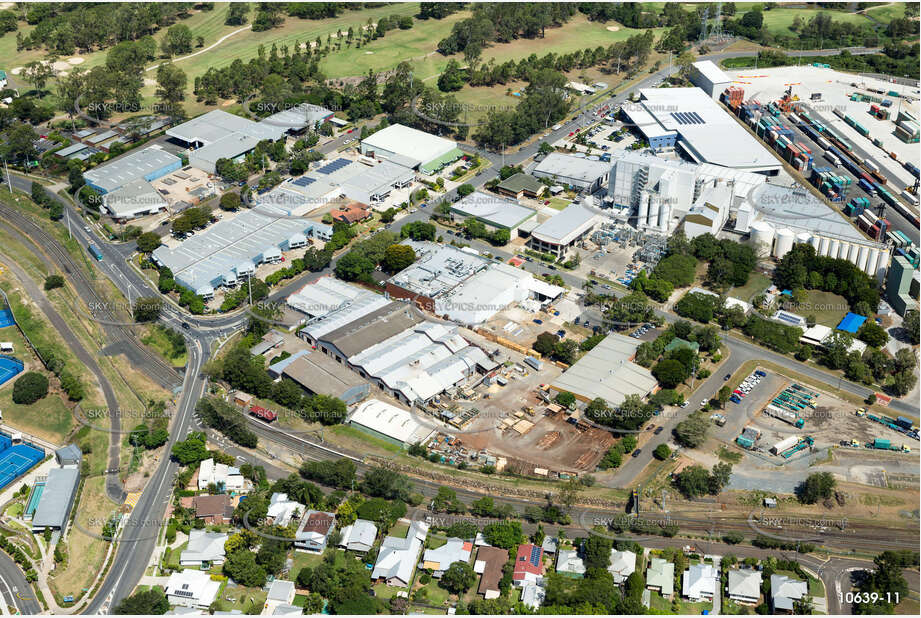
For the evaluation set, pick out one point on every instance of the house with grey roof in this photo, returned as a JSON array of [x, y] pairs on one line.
[[622, 565], [785, 590], [281, 592], [660, 576], [359, 536], [398, 556], [204, 549], [569, 563], [699, 582], [313, 532], [550, 544], [441, 558], [744, 586]]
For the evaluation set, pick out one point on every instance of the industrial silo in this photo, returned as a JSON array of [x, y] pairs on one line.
[[853, 253], [653, 220], [872, 258], [882, 266], [862, 257], [664, 214], [823, 246], [643, 210], [803, 238], [762, 235], [814, 241], [784, 242], [843, 250], [833, 248]]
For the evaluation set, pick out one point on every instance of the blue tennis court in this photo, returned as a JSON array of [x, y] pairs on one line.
[[6, 318], [16, 459], [9, 368]]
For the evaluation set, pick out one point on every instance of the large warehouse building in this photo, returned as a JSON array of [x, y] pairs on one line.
[[411, 148], [580, 173], [464, 287], [147, 164], [230, 250], [134, 199], [389, 423], [557, 234], [689, 120], [709, 78], [496, 213], [607, 371]]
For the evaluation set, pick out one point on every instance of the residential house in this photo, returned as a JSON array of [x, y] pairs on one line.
[[489, 563], [397, 557], [215, 510], [191, 588], [350, 213], [784, 591], [660, 576], [520, 185], [745, 586], [205, 549], [623, 564], [441, 558], [550, 544], [314, 531], [699, 582], [358, 537], [569, 563], [280, 595], [529, 564], [282, 511], [226, 478], [532, 595]]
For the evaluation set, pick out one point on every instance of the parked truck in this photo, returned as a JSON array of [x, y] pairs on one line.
[[786, 416]]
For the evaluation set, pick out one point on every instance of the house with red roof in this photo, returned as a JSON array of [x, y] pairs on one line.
[[350, 213], [529, 564]]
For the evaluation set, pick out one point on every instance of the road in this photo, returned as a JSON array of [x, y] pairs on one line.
[[15, 591]]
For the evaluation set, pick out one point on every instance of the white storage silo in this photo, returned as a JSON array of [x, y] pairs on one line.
[[823, 246], [784, 242], [762, 233], [664, 214], [872, 258], [833, 248], [862, 257], [814, 241], [843, 250], [882, 266], [643, 210], [803, 238], [852, 253]]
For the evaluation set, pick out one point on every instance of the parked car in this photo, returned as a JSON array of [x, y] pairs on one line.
[[726, 377], [637, 452]]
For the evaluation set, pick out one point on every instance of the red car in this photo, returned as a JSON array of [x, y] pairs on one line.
[[739, 393]]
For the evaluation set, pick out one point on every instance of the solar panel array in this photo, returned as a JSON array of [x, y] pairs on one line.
[[336, 165], [303, 181], [687, 117], [535, 556]]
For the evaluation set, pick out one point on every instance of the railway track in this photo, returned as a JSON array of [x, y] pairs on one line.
[[153, 365]]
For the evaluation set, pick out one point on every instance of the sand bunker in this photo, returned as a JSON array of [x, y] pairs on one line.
[[613, 28], [150, 82], [75, 60], [16, 71]]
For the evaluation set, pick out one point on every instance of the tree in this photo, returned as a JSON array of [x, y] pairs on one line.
[[818, 485], [693, 481], [418, 230], [53, 281], [670, 372], [231, 201], [597, 552], [29, 388], [151, 602], [147, 242], [723, 395], [171, 83], [452, 78], [178, 40], [242, 567], [504, 534], [458, 578], [692, 431], [873, 334], [662, 452], [192, 450], [354, 267], [912, 326], [236, 16], [719, 477], [385, 483], [465, 189], [398, 257], [147, 309]]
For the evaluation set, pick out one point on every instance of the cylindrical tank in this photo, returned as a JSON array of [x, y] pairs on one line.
[[784, 242], [853, 253], [762, 233], [833, 248], [663, 215], [653, 220], [882, 265], [843, 250], [814, 241], [872, 258], [803, 238], [862, 257], [643, 211], [823, 246]]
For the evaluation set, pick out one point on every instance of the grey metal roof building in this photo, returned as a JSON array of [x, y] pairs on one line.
[[411, 148], [57, 499], [360, 334], [134, 199], [607, 371], [147, 164], [374, 183], [70, 150], [69, 455], [231, 248], [217, 124], [354, 309], [230, 146], [320, 374], [561, 231], [300, 118], [577, 172], [492, 210]]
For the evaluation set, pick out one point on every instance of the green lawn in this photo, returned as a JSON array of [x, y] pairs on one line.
[[559, 203], [662, 605], [828, 308], [757, 283], [434, 594], [399, 530], [156, 338], [304, 559], [352, 432], [48, 418], [778, 20], [887, 13], [247, 600], [385, 592]]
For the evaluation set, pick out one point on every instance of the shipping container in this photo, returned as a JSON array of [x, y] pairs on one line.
[[866, 186]]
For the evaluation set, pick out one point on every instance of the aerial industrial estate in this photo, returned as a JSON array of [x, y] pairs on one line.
[[459, 308]]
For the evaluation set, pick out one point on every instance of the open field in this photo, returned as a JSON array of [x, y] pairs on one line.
[[828, 308], [888, 12], [778, 20], [757, 283]]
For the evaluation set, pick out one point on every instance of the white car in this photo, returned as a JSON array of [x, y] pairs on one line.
[[704, 402]]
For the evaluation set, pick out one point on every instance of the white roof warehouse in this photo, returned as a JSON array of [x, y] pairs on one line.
[[607, 371], [411, 148], [147, 164]]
